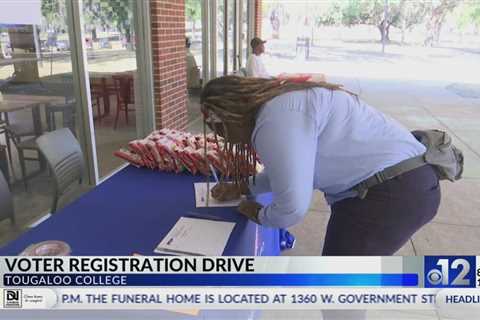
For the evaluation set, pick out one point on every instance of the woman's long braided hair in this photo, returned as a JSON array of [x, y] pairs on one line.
[[230, 105]]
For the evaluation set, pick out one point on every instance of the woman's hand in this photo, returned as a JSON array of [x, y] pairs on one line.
[[250, 209], [223, 191], [244, 189]]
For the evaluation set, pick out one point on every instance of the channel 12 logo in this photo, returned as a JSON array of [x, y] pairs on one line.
[[450, 271]]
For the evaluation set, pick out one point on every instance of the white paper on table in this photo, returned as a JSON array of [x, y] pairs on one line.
[[192, 236], [201, 197]]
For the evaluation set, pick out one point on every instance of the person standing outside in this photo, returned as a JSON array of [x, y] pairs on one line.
[[255, 65], [193, 72]]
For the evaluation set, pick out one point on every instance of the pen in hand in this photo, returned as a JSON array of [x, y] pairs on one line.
[[214, 173]]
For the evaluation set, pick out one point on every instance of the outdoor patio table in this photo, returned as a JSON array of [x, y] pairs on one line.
[[17, 102], [131, 213]]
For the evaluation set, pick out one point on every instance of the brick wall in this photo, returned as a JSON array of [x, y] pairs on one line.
[[169, 65], [258, 18]]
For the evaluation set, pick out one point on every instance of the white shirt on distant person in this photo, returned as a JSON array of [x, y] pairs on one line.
[[193, 73], [256, 68]]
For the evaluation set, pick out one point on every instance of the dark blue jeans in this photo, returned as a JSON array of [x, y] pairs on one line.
[[383, 222]]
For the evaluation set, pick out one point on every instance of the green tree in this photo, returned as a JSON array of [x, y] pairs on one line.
[[331, 15], [468, 14], [438, 10], [106, 13], [354, 12], [372, 12], [411, 13], [93, 17], [51, 12], [193, 13], [120, 12], [96, 13], [403, 14]]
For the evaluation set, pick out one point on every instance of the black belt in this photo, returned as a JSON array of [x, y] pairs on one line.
[[388, 173]]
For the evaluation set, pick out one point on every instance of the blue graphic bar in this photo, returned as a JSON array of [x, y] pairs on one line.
[[227, 280]]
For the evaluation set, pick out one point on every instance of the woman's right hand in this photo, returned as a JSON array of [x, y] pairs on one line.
[[224, 191], [250, 209]]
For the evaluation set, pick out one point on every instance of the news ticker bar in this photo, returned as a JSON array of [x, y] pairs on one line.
[[428, 272], [234, 298]]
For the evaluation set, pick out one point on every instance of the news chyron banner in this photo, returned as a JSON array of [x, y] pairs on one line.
[[448, 284]]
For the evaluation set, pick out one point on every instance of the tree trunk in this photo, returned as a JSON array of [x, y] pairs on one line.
[[384, 32], [384, 24], [128, 35], [387, 33], [435, 22], [403, 16], [436, 34], [94, 34], [193, 29]]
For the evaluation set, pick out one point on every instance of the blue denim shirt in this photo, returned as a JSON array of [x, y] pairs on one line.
[[325, 140]]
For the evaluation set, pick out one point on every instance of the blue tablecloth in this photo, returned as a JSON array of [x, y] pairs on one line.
[[131, 213]]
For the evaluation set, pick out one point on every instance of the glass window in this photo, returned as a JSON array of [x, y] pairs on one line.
[[112, 66], [36, 96], [194, 59], [243, 33], [231, 35], [220, 37]]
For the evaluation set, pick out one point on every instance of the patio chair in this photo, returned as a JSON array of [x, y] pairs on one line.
[[125, 95], [65, 159], [97, 94], [103, 87], [24, 140], [27, 121], [3, 130], [6, 201], [67, 112], [22, 127]]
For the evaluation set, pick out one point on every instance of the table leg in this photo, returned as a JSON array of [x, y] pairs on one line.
[[4, 164], [7, 141], [37, 121], [37, 127], [106, 97]]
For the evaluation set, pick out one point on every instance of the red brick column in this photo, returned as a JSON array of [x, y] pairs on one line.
[[258, 18], [169, 65]]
